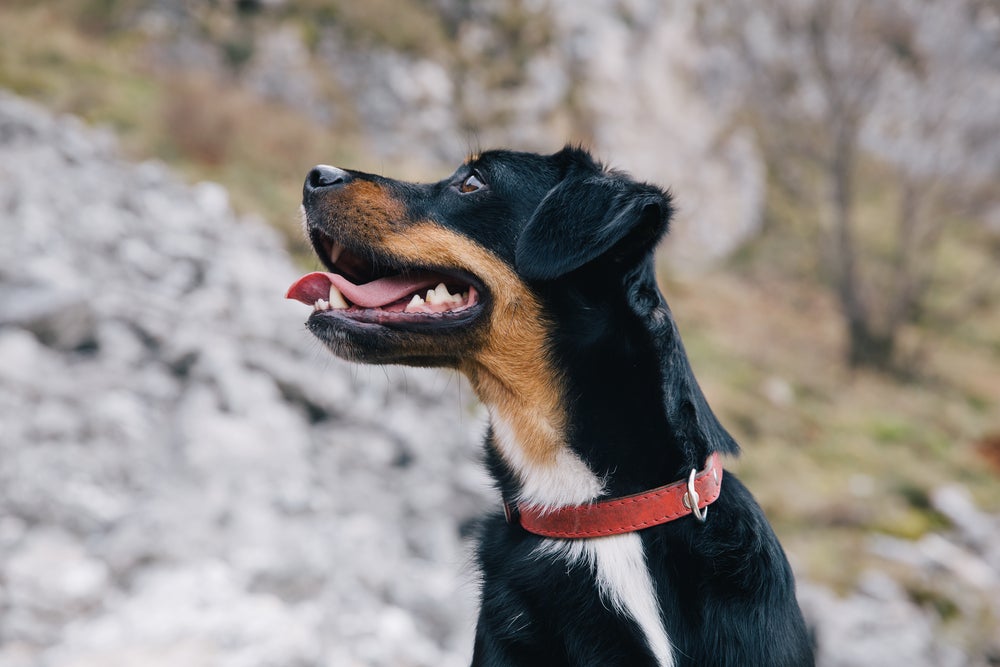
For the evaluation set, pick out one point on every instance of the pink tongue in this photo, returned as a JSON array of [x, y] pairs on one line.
[[314, 286]]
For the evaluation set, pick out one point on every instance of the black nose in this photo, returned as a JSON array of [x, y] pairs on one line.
[[325, 176]]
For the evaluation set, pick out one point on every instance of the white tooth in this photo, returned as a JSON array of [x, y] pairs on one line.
[[321, 305], [336, 298], [414, 304], [448, 297], [335, 252], [440, 296]]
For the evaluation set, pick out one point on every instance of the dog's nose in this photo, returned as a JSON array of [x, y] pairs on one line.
[[325, 176]]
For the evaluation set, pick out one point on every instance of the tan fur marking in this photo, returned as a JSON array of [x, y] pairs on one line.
[[510, 371], [364, 200]]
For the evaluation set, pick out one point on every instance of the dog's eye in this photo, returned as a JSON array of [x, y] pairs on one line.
[[471, 183]]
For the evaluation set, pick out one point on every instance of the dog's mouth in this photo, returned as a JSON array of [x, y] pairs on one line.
[[372, 289]]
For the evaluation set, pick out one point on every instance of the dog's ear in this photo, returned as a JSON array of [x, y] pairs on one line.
[[591, 213], [695, 427]]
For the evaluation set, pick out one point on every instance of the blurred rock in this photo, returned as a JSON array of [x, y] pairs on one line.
[[650, 115], [778, 391], [280, 70], [980, 529], [50, 580], [60, 318], [876, 627]]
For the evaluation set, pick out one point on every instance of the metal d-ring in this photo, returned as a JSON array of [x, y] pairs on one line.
[[691, 499]]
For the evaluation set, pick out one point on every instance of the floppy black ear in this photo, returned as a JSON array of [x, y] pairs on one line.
[[695, 426], [586, 215]]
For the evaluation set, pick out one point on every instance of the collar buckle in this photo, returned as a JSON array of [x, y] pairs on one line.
[[691, 499]]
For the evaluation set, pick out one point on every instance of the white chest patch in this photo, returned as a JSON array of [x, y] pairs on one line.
[[619, 566], [565, 481]]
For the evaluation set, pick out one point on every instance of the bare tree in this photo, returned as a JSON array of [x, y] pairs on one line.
[[832, 85]]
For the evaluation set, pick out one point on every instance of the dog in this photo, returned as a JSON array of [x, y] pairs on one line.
[[621, 541]]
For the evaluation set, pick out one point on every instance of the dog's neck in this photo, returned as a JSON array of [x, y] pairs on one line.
[[625, 402], [620, 425]]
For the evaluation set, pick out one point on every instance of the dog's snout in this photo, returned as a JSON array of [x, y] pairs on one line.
[[324, 176]]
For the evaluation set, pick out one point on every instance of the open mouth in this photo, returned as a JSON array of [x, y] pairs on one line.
[[371, 289]]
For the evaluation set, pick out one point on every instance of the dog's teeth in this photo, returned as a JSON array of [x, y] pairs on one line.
[[414, 304], [438, 295], [321, 305], [441, 296], [336, 298], [335, 251]]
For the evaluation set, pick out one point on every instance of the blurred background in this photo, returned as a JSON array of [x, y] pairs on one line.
[[186, 477]]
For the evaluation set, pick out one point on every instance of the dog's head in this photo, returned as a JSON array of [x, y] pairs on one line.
[[502, 230], [530, 273]]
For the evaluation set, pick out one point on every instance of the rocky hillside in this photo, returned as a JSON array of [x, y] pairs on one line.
[[413, 83], [186, 477]]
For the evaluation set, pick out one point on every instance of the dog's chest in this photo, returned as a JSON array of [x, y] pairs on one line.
[[618, 564]]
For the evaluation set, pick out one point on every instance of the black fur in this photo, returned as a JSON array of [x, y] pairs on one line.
[[582, 239]]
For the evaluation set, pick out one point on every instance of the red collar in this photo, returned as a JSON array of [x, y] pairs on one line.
[[626, 514]]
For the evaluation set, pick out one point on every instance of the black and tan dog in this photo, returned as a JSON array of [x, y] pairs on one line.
[[533, 275]]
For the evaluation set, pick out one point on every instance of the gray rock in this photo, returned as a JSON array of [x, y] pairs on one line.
[[59, 318], [876, 627], [49, 580], [974, 525]]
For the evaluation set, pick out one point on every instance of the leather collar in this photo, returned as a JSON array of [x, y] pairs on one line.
[[626, 514]]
